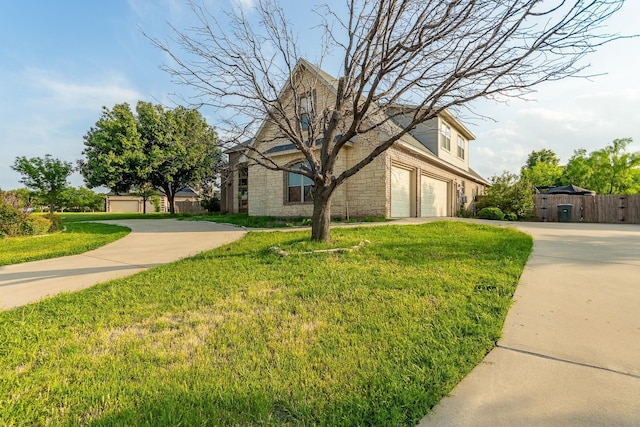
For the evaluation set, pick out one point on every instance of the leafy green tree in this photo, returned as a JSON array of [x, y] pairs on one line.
[[578, 170], [158, 147], [47, 177], [509, 193], [543, 156], [146, 192], [543, 174], [542, 168], [181, 146], [83, 199], [114, 151], [611, 170]]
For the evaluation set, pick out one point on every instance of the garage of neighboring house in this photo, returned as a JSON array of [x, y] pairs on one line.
[[402, 192], [434, 196], [124, 204]]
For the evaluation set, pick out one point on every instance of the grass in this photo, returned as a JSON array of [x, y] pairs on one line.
[[241, 336], [245, 220], [77, 238], [68, 217]]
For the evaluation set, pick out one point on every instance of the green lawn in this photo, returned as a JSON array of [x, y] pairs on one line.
[[68, 217], [77, 238], [245, 220], [241, 336]]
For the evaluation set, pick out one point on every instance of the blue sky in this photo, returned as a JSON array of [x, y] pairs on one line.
[[61, 61]]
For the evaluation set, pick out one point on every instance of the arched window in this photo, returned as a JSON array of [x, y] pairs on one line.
[[298, 187]]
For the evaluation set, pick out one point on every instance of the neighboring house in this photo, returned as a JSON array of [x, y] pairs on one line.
[[131, 203], [424, 174]]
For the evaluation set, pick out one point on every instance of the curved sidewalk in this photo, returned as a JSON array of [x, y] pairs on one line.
[[150, 243], [570, 348]]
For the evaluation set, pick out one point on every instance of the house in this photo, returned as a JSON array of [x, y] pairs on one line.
[[424, 174], [132, 203]]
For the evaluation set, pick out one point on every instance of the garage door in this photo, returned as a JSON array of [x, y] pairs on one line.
[[400, 192], [124, 206], [434, 197]]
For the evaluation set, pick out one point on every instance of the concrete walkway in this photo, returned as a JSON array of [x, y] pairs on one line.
[[570, 350], [150, 243]]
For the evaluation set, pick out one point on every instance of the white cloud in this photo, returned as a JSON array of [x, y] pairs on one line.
[[245, 4], [70, 95]]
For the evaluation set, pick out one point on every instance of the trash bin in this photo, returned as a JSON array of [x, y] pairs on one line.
[[564, 213]]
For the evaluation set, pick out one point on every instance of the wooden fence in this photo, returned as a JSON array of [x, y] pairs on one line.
[[189, 207], [600, 208]]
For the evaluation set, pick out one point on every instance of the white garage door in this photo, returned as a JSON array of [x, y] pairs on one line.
[[400, 192], [434, 197]]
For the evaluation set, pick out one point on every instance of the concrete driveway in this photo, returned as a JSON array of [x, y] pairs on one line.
[[570, 350], [150, 243]]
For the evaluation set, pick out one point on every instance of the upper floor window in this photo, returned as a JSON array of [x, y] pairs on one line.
[[461, 147], [445, 137], [298, 187], [306, 109]]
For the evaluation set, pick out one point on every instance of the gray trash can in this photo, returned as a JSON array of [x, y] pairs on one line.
[[564, 213]]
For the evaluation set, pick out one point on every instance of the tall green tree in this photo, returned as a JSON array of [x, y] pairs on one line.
[[83, 199], [114, 151], [610, 170], [156, 147], [180, 145], [542, 168], [47, 177]]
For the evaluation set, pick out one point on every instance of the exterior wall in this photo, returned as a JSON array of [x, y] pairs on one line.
[[267, 194], [451, 156], [366, 191]]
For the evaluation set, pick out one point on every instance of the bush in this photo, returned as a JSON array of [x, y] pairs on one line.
[[11, 220], [510, 216], [491, 213], [34, 225], [56, 222], [211, 205], [509, 193]]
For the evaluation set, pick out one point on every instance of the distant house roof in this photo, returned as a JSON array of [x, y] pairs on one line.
[[570, 189], [239, 147]]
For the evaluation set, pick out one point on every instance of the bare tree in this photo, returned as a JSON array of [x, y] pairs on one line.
[[413, 58]]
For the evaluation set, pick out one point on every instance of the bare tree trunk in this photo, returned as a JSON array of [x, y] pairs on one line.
[[321, 220]]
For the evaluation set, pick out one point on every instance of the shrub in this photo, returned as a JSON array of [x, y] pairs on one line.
[[56, 222], [491, 213], [34, 225], [509, 193], [11, 220], [211, 205], [510, 216]]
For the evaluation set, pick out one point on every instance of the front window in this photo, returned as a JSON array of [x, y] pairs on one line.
[[461, 146], [445, 137], [298, 187]]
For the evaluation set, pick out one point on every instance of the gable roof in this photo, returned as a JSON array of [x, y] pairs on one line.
[[408, 139]]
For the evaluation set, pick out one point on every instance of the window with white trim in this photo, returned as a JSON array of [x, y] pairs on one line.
[[445, 136], [461, 146], [298, 187]]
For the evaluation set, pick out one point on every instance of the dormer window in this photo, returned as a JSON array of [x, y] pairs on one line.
[[445, 136], [461, 146]]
